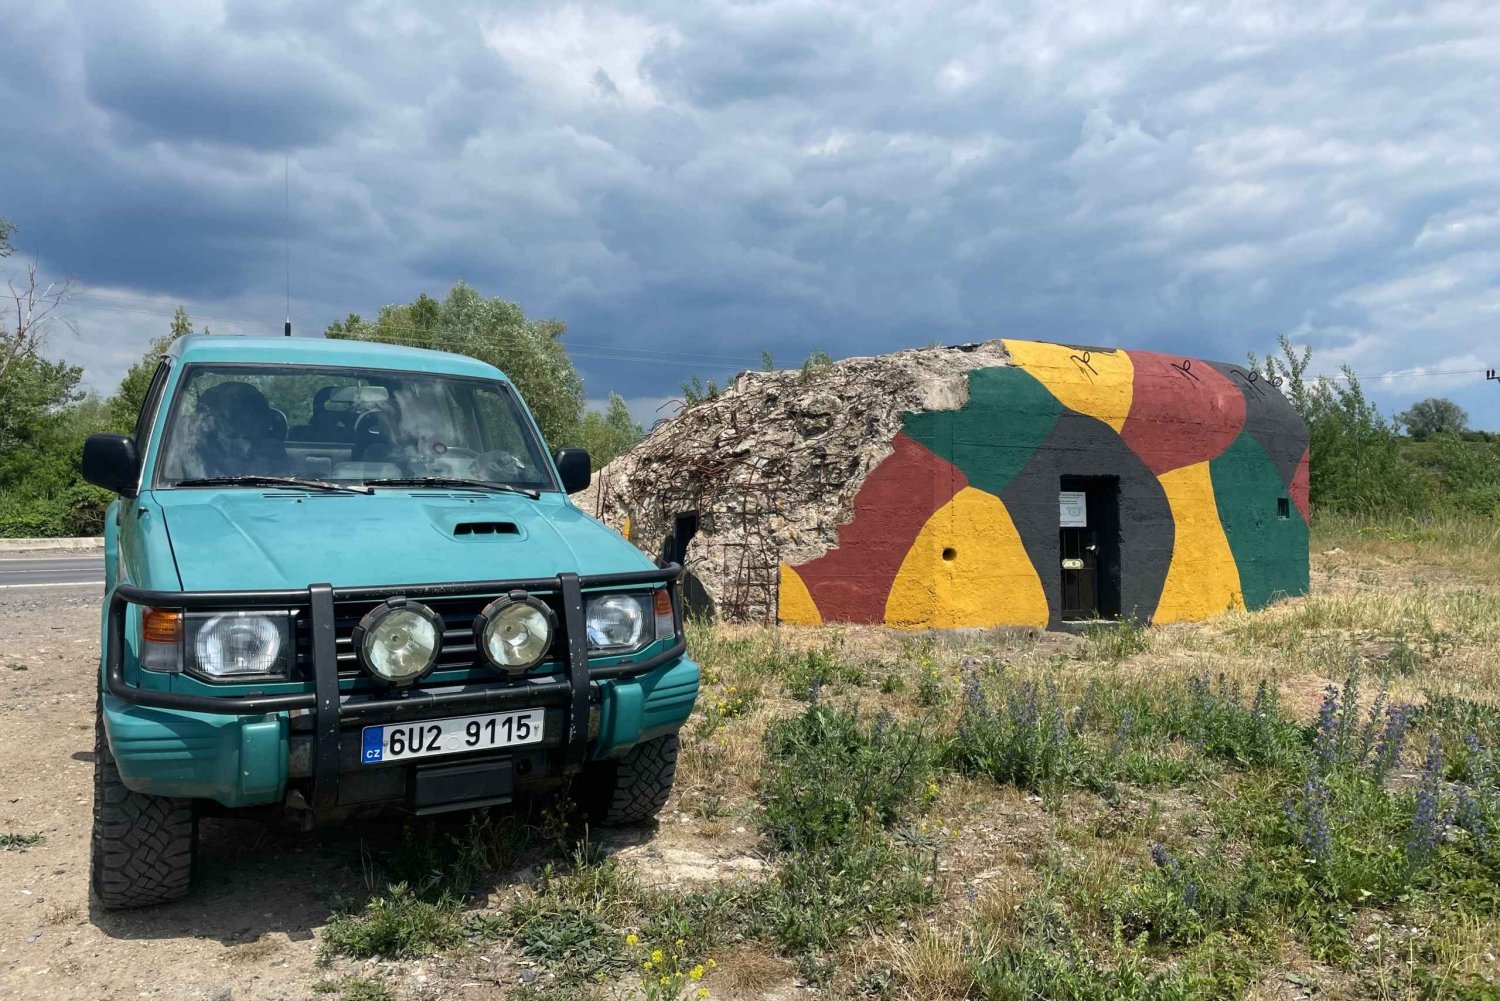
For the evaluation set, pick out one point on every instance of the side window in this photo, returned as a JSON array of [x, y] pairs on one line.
[[149, 406]]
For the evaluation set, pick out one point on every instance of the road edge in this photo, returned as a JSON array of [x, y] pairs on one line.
[[60, 545]]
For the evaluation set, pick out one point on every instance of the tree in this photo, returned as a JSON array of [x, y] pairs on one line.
[[126, 403], [6, 229], [1433, 416], [493, 330], [1354, 455], [29, 317], [611, 433]]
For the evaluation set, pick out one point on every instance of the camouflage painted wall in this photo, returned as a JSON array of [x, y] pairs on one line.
[[959, 526]]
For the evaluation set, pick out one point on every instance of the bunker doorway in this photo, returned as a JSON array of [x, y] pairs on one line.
[[1089, 542]]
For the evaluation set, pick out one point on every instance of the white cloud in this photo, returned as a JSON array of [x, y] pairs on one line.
[[711, 179], [584, 53]]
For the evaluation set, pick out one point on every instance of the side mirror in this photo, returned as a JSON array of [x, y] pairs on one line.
[[109, 461], [573, 467]]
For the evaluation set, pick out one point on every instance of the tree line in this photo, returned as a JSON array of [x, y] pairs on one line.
[[45, 411], [1421, 462]]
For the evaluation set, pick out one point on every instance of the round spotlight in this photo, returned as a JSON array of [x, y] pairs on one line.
[[514, 632], [399, 641]]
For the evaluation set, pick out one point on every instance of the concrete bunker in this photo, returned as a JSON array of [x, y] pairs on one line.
[[1005, 483]]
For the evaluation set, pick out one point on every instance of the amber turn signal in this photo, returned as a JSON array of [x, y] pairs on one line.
[[161, 625]]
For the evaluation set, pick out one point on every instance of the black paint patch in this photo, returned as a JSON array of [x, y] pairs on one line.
[[1084, 447], [1270, 419]]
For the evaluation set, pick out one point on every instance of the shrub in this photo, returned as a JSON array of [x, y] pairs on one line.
[[571, 923], [1022, 738], [395, 925], [830, 775], [1181, 899], [824, 893], [1115, 642], [1207, 713]]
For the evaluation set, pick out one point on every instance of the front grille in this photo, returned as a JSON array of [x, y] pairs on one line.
[[458, 650]]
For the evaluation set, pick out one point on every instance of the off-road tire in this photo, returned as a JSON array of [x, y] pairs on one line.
[[633, 789], [142, 846]]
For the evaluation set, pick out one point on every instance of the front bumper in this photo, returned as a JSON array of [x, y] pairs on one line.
[[242, 750]]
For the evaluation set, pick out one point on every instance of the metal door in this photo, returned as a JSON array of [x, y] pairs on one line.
[[1080, 574]]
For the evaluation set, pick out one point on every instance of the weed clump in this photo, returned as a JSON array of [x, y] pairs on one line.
[[395, 925], [831, 774]]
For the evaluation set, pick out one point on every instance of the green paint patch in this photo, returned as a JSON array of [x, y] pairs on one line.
[[991, 437], [1268, 539]]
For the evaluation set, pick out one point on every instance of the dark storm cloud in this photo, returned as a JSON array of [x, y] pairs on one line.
[[706, 181]]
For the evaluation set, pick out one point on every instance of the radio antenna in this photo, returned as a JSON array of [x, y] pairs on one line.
[[286, 176]]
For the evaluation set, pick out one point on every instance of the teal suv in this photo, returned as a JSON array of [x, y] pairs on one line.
[[343, 575]]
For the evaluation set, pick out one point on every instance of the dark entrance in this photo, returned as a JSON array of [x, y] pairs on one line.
[[1089, 519]]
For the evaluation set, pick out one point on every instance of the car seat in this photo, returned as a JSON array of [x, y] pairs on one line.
[[234, 432]]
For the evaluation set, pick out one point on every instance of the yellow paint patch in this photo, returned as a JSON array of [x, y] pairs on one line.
[[794, 602], [967, 567], [1097, 383], [1203, 580], [627, 528]]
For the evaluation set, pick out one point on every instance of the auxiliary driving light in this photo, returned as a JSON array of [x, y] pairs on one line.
[[399, 641], [514, 632]]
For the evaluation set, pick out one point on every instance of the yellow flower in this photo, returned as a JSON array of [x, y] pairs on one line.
[[679, 943], [703, 992], [631, 939], [697, 973], [712, 964], [663, 981], [647, 965], [656, 956]]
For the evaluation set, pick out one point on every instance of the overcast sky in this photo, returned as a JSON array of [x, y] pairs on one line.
[[688, 184]]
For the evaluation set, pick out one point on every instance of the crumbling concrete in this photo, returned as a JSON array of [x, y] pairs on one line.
[[773, 463]]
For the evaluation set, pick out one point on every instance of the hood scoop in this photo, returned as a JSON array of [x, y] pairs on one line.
[[485, 528]]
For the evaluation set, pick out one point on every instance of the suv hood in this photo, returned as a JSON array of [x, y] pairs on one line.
[[243, 538]]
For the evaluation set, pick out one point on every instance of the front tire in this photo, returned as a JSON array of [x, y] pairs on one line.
[[142, 846], [633, 789]]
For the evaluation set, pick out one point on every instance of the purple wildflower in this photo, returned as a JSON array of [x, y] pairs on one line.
[[1470, 816], [1326, 734], [974, 699], [1427, 822], [1398, 720], [1123, 733], [1307, 815]]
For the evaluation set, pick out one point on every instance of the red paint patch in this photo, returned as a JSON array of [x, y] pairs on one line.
[[1299, 487], [851, 583], [1179, 417]]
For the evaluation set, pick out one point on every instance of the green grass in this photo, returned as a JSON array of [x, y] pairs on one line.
[[355, 989], [1134, 813], [12, 842]]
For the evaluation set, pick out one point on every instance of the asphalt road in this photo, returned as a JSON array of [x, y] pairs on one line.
[[18, 572]]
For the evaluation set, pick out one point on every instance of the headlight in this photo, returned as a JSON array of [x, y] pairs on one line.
[[399, 641], [617, 622], [514, 632], [228, 646]]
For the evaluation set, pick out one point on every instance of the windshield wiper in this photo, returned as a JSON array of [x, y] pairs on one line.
[[257, 480], [451, 481]]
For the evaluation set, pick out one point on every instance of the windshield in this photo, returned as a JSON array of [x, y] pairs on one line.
[[347, 426]]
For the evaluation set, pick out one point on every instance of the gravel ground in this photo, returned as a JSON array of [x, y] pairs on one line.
[[249, 926]]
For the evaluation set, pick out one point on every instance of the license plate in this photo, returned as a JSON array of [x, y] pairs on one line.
[[400, 741]]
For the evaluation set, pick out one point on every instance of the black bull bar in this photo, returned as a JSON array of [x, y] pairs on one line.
[[330, 708]]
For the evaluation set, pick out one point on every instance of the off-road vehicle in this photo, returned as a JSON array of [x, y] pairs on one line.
[[342, 574]]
